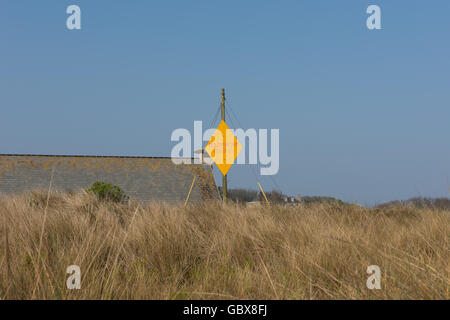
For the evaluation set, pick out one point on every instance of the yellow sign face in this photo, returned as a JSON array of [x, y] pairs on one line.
[[223, 148]]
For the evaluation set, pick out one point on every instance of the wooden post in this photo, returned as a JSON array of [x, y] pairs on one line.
[[190, 190], [224, 178], [267, 200]]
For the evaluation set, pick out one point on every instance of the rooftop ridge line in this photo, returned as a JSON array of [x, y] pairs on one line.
[[84, 156]]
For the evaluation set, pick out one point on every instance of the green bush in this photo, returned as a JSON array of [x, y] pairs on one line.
[[107, 192]]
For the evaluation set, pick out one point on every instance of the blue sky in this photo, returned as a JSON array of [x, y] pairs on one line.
[[363, 115]]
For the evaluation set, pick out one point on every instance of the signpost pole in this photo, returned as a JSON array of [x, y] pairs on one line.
[[224, 177]]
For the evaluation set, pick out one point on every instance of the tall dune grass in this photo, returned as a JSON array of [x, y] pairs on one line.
[[219, 252]]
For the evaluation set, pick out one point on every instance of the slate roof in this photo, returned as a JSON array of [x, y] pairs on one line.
[[142, 178]]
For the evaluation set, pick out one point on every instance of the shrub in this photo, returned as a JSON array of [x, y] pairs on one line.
[[107, 192]]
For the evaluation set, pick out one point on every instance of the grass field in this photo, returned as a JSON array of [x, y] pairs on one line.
[[219, 252]]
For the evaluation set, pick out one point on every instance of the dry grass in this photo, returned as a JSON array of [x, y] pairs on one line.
[[219, 252]]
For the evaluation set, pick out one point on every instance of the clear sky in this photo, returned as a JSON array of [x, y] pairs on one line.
[[363, 115]]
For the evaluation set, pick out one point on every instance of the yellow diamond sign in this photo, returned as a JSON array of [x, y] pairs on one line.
[[223, 148]]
